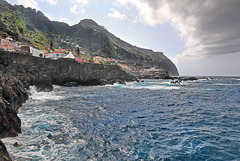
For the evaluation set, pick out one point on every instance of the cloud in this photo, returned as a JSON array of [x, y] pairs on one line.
[[81, 2], [115, 14], [51, 2], [209, 27], [34, 3], [76, 10], [28, 3]]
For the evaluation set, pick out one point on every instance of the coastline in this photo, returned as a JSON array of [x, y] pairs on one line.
[[18, 72]]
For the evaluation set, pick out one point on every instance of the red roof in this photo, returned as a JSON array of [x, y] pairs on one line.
[[58, 52], [79, 60]]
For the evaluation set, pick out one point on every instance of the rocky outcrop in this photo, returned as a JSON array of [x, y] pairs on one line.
[[18, 72], [43, 72], [12, 96], [4, 156]]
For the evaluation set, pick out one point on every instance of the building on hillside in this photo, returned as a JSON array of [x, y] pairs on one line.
[[62, 50], [154, 70], [5, 42], [70, 56], [82, 52], [25, 48], [47, 48], [6, 48], [33, 51], [9, 38], [55, 55], [80, 60], [36, 52], [98, 59]]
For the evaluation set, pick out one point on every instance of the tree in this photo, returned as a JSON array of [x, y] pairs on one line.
[[51, 45], [78, 51]]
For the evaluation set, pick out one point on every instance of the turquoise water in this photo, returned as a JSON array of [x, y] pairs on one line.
[[151, 120]]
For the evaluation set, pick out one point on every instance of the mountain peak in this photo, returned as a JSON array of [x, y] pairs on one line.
[[88, 22]]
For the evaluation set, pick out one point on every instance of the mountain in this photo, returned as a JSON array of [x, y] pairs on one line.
[[33, 27], [98, 41]]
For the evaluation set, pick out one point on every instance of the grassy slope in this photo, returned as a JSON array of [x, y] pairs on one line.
[[15, 21]]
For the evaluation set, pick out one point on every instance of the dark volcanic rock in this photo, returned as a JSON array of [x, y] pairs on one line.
[[12, 95], [43, 72], [4, 156]]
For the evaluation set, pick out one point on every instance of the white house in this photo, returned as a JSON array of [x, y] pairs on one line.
[[55, 55], [33, 51], [36, 52]]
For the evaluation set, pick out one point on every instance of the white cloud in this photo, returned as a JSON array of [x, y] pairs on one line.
[[77, 10], [209, 27], [51, 2], [81, 2], [28, 3], [74, 9], [83, 11], [34, 3], [116, 14]]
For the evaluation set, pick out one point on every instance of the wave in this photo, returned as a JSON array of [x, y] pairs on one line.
[[149, 85], [154, 87], [223, 84], [44, 96]]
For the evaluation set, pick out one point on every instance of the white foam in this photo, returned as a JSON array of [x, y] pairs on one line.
[[153, 87], [44, 96], [223, 84], [35, 137]]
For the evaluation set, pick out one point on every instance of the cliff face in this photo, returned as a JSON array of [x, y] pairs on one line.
[[18, 72], [45, 72], [12, 95]]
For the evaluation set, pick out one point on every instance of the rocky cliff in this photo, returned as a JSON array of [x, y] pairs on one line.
[[12, 95], [18, 72]]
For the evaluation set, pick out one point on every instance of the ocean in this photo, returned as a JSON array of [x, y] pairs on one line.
[[150, 120]]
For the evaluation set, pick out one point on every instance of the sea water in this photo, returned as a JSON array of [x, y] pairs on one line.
[[151, 120]]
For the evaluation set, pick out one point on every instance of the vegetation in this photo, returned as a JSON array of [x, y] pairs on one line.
[[17, 22]]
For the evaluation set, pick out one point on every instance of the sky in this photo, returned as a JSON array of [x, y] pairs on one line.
[[202, 37]]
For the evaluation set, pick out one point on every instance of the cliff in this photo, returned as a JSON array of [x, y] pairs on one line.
[[12, 95], [18, 72], [44, 72]]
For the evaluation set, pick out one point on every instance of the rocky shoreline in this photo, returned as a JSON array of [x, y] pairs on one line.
[[13, 95], [18, 72]]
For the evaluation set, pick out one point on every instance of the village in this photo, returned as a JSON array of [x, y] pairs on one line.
[[8, 44]]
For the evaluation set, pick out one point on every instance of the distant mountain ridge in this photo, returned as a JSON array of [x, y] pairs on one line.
[[33, 27]]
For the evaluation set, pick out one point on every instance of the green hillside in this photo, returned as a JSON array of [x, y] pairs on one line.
[[25, 25]]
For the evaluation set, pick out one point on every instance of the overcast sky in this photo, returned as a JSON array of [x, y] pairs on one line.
[[202, 37]]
